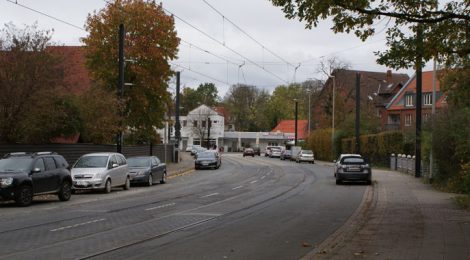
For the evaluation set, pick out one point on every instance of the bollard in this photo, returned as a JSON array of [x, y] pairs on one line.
[[393, 162]]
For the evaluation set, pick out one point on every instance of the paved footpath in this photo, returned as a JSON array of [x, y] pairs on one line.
[[400, 218]]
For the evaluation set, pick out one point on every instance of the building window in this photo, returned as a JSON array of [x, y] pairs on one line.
[[409, 100], [408, 119], [203, 123], [184, 123], [427, 99], [195, 124]]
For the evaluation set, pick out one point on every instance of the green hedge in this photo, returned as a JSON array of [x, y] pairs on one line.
[[320, 143], [377, 147]]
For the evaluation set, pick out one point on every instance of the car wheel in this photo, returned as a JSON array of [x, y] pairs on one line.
[[65, 191], [338, 182], [24, 197], [127, 185], [163, 180], [107, 186], [253, 155], [369, 182], [150, 180]]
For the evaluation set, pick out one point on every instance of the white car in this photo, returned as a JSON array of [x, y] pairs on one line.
[[100, 171], [305, 156]]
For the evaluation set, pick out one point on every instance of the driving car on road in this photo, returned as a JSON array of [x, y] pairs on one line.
[[305, 156], [275, 152], [24, 175], [249, 152], [146, 169], [286, 154], [208, 159], [101, 171], [352, 167]]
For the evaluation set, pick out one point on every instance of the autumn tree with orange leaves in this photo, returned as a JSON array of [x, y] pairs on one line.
[[150, 43]]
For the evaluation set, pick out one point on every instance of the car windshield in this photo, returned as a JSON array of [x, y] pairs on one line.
[[138, 162], [22, 164], [353, 160], [92, 162], [207, 155], [288, 152], [307, 152]]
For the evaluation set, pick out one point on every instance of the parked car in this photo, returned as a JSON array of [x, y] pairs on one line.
[[341, 156], [268, 150], [249, 152], [208, 159], [275, 152], [257, 151], [146, 169], [199, 150], [189, 148], [305, 156], [286, 154], [101, 171], [24, 175], [352, 168], [194, 149]]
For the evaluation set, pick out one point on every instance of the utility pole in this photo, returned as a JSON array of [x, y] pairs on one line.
[[358, 112], [296, 110], [419, 93], [333, 118], [120, 86], [208, 131], [177, 115]]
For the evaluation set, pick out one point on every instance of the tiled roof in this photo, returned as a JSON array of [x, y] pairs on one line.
[[288, 126], [397, 102]]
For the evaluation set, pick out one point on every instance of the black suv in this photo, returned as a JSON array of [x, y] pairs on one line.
[[24, 175]]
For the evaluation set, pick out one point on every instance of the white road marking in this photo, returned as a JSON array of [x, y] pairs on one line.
[[77, 225], [238, 187], [253, 182], [263, 177], [209, 195], [162, 206]]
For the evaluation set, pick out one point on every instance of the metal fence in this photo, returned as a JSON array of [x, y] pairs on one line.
[[406, 164], [72, 152]]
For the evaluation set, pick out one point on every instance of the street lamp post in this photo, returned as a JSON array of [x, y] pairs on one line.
[[333, 117], [296, 110], [309, 117]]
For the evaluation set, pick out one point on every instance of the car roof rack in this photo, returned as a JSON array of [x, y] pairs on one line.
[[43, 153], [15, 154]]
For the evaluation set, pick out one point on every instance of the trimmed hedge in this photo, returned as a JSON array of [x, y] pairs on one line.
[[319, 142], [377, 147]]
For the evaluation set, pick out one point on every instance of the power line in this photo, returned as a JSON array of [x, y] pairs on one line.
[[249, 36], [199, 73], [209, 52], [217, 41], [47, 15]]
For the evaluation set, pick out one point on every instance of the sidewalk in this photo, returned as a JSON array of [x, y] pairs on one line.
[[185, 165], [400, 218]]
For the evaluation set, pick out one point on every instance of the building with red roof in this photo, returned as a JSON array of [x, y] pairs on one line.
[[400, 113], [288, 127]]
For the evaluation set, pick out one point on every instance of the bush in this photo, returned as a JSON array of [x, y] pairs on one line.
[[319, 142]]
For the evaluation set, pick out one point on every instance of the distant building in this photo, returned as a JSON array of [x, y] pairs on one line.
[[400, 112], [375, 88], [288, 128]]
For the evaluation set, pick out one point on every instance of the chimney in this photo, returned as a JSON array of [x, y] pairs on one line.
[[389, 76]]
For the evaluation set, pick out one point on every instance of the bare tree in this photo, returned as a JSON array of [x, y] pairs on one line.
[[328, 65]]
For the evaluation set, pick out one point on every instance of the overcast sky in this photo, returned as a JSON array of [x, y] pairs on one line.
[[243, 60]]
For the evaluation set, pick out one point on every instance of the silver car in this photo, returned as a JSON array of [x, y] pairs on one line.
[[100, 171], [305, 156]]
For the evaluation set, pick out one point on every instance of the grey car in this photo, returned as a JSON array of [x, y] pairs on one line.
[[146, 169], [352, 168], [100, 171]]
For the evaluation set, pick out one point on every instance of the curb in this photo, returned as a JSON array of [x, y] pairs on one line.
[[355, 222]]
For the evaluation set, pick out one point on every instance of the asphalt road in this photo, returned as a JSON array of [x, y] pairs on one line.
[[250, 208]]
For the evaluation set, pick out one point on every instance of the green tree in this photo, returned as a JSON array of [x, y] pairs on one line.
[[33, 106], [445, 27], [150, 42], [206, 94]]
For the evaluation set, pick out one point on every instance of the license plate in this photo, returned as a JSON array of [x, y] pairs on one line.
[[81, 183], [205, 164], [354, 169]]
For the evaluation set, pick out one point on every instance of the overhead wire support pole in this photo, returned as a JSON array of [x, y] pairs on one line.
[[120, 86], [419, 92]]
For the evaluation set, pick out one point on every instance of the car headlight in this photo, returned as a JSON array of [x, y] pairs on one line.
[[141, 173], [5, 182]]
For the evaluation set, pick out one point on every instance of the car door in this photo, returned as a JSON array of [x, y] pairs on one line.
[[116, 179], [123, 168], [157, 168], [40, 181]]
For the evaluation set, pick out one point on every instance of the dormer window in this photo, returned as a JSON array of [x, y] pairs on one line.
[[409, 100]]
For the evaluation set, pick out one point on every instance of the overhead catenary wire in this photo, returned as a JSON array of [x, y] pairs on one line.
[[47, 15], [199, 73], [249, 36], [225, 46]]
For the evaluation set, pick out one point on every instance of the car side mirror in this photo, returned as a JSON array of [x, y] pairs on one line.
[[36, 170], [115, 165]]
